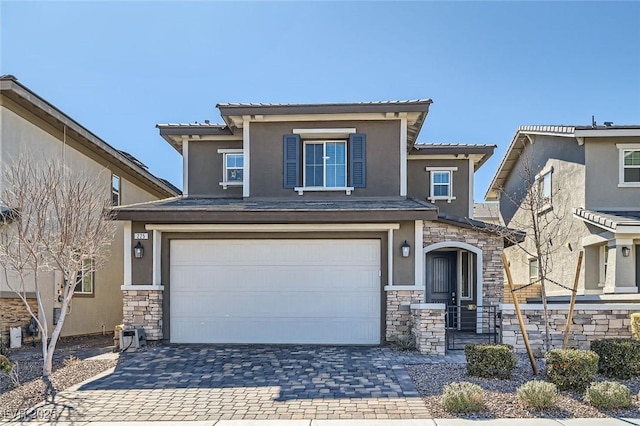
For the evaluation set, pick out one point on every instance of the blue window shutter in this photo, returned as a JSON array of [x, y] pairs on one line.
[[358, 160], [291, 170]]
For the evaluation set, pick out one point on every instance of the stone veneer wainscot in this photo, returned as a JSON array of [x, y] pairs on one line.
[[143, 307]]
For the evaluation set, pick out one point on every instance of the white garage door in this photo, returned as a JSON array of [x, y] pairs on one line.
[[275, 291]]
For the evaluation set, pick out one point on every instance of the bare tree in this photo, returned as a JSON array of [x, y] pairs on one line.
[[539, 210], [58, 220]]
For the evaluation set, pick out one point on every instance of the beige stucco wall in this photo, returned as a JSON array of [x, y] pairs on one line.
[[568, 180], [22, 133], [602, 176]]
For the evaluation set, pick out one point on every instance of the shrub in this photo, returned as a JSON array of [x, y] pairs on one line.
[[462, 397], [571, 369], [538, 394], [71, 360], [619, 358], [635, 325], [608, 395], [405, 342], [490, 360], [5, 365]]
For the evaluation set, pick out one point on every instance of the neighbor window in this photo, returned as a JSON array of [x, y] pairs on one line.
[[325, 164], [604, 260], [631, 166], [441, 183], [533, 270], [232, 167], [84, 280], [115, 190]]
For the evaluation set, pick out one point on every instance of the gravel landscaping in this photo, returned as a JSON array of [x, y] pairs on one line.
[[500, 395]]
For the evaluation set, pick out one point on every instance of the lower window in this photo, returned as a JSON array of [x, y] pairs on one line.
[[84, 280]]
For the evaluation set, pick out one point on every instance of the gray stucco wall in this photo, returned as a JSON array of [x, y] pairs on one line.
[[602, 161], [383, 158], [566, 158], [418, 185], [206, 169]]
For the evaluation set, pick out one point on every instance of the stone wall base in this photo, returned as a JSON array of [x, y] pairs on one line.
[[13, 313], [144, 308], [428, 328], [589, 323], [398, 319]]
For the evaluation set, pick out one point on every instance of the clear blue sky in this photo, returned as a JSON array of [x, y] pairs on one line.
[[119, 68]]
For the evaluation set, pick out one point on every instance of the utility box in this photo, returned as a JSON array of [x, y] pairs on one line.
[[15, 340], [132, 338]]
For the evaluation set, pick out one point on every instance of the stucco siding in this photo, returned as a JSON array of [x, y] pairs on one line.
[[382, 153], [566, 159], [418, 185], [602, 176], [206, 169]]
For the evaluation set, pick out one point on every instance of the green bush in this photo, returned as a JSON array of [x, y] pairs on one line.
[[405, 342], [538, 394], [5, 364], [608, 395], [490, 361], [619, 358], [462, 397], [635, 325], [571, 369]]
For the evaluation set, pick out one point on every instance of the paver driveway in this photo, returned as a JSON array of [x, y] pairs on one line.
[[193, 382]]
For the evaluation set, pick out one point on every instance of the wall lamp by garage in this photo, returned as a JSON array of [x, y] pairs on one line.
[[406, 249], [626, 251], [138, 251]]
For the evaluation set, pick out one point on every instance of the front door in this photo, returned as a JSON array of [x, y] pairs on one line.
[[441, 277]]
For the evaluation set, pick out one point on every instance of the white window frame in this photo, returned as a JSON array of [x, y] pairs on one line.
[[547, 202], [432, 171], [234, 151], [622, 149], [116, 192], [305, 187], [470, 272], [86, 272], [531, 277], [603, 264]]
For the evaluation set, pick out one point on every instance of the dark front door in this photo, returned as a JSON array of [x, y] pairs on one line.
[[441, 277]]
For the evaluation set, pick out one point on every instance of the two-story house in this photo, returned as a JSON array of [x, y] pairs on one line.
[[591, 177], [314, 223], [31, 127]]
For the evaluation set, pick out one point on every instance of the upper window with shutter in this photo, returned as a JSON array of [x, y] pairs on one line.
[[324, 165]]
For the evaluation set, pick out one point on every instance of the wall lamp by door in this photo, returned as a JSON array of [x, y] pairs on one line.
[[406, 249], [138, 251], [626, 251]]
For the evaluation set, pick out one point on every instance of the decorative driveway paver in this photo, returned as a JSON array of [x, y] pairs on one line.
[[198, 382]]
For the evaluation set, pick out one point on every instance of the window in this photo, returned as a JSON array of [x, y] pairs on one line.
[[84, 281], [325, 164], [232, 167], [629, 167], [333, 164], [115, 190], [441, 183], [604, 260], [533, 270], [466, 276]]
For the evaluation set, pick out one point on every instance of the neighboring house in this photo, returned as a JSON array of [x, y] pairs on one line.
[[487, 212], [592, 175], [316, 223], [30, 126]]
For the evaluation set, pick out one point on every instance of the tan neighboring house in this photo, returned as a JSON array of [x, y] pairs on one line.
[[593, 173], [31, 126], [315, 224]]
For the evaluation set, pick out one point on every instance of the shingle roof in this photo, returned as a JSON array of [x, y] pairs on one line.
[[260, 104]]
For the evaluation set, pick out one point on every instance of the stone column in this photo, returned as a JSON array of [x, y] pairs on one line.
[[428, 328], [143, 307]]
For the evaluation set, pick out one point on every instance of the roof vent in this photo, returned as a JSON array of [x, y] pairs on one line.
[[608, 123]]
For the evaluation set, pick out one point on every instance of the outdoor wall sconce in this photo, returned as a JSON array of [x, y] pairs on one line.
[[626, 251], [138, 251], [406, 249]]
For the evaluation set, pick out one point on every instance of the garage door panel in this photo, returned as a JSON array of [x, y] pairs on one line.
[[275, 291]]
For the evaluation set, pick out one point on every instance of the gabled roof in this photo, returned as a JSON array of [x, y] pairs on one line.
[[26, 98], [479, 153], [234, 115]]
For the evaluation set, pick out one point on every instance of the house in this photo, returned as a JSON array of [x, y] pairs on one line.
[[311, 223], [29, 125], [592, 176]]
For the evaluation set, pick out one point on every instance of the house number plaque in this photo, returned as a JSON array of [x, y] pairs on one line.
[[140, 235]]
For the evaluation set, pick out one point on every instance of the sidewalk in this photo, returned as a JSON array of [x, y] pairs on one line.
[[415, 422]]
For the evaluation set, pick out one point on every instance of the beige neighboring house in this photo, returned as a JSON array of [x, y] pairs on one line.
[[592, 174], [31, 126]]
